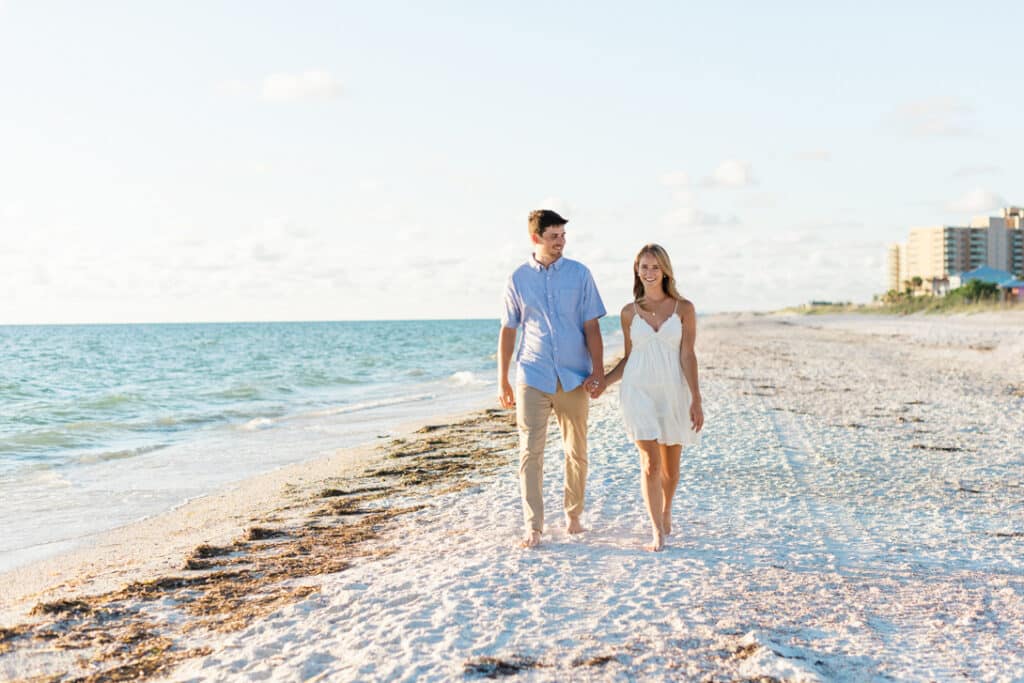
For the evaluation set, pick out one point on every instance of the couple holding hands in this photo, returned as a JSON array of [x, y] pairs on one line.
[[560, 368]]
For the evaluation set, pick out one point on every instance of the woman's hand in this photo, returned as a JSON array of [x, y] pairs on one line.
[[696, 415]]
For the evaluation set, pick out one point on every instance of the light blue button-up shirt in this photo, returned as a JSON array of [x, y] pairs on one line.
[[550, 305]]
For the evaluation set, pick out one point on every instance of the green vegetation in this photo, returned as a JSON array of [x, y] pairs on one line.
[[973, 297], [821, 307]]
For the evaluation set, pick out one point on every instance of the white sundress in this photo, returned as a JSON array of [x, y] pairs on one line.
[[654, 396]]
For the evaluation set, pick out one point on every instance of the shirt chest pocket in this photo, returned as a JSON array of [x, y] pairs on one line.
[[568, 301]]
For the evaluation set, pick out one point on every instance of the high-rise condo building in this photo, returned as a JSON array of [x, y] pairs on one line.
[[933, 254]]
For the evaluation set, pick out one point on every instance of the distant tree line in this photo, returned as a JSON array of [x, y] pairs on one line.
[[974, 291]]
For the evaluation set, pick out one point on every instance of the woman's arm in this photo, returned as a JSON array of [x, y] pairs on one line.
[[625, 318], [688, 361]]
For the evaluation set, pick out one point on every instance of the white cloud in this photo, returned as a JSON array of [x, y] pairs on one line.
[[814, 155], [234, 87], [190, 243], [266, 253], [759, 200], [287, 87], [686, 211], [691, 216], [768, 271], [731, 173], [936, 116], [676, 179], [980, 169], [556, 204], [308, 85], [977, 201]]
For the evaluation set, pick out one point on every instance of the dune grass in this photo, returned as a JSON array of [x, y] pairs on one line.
[[922, 304]]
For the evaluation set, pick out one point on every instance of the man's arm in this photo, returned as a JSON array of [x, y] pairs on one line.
[[595, 384], [506, 344]]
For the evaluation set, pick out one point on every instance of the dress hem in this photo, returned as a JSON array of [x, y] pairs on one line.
[[692, 442]]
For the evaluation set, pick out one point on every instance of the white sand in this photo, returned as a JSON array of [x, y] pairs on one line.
[[854, 513]]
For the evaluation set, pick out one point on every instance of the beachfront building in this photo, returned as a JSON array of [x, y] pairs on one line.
[[897, 266], [1013, 290], [934, 254]]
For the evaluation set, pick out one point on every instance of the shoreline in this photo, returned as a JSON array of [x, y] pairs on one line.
[[97, 563], [202, 463], [227, 559], [856, 462]]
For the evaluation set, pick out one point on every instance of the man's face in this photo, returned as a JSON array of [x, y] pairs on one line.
[[552, 242]]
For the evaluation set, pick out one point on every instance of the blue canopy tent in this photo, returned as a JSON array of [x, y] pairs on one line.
[[985, 274]]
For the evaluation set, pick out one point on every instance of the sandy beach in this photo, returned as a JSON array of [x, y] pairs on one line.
[[855, 512]]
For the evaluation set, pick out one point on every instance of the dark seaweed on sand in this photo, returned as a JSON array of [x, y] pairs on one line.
[[226, 588]]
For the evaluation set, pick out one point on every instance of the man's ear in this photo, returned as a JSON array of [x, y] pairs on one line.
[[535, 238]]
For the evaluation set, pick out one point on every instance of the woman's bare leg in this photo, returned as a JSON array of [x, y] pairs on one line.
[[669, 482], [650, 487]]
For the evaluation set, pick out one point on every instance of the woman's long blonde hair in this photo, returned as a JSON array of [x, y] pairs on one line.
[[668, 279]]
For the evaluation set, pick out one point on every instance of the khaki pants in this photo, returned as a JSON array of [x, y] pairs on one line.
[[533, 410]]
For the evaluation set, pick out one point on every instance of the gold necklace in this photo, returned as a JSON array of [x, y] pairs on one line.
[[654, 316]]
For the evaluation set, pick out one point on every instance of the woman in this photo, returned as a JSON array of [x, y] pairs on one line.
[[660, 396]]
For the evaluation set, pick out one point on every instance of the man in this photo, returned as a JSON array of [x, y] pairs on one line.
[[560, 362]]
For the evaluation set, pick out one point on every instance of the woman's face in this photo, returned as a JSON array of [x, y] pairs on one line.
[[649, 270]]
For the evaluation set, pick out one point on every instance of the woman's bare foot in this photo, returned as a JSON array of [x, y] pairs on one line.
[[531, 540], [657, 542], [666, 523], [575, 527]]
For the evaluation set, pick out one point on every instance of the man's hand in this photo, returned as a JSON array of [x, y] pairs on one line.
[[507, 396], [595, 385]]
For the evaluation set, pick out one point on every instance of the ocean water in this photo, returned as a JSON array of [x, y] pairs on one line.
[[101, 425], [105, 424]]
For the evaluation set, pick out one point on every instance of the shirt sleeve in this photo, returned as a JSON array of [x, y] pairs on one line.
[[512, 315], [590, 299]]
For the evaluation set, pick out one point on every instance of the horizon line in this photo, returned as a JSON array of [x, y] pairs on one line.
[[310, 321]]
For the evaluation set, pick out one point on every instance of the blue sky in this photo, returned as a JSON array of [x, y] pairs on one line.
[[273, 161]]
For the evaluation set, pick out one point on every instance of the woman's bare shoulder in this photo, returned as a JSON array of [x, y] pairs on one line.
[[687, 309], [628, 310]]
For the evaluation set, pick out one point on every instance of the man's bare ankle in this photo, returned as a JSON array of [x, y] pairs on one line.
[[531, 539]]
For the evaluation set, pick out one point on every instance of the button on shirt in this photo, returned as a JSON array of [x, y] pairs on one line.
[[550, 305]]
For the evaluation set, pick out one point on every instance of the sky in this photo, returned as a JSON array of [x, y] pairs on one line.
[[246, 160]]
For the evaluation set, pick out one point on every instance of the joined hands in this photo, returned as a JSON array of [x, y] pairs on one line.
[[595, 385]]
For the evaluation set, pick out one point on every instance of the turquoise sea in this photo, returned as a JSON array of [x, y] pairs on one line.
[[105, 424], [101, 425]]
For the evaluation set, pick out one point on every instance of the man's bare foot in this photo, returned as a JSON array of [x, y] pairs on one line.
[[666, 523], [657, 542], [575, 527], [530, 540]]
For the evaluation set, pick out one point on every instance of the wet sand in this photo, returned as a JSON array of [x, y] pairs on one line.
[[139, 599]]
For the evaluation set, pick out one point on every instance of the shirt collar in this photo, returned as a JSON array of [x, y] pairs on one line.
[[536, 265]]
